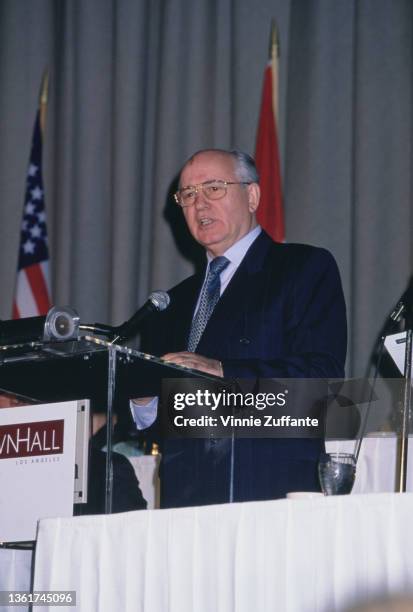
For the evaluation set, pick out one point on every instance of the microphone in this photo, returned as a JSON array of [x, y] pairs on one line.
[[156, 302], [404, 304], [397, 312]]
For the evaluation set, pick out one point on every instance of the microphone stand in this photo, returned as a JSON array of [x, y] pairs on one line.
[[98, 328], [403, 307], [403, 438]]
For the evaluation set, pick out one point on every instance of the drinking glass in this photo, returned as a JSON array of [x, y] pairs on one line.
[[337, 472]]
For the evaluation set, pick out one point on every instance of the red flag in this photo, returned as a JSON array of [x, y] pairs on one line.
[[32, 296], [270, 212]]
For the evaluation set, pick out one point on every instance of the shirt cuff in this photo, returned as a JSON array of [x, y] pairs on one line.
[[144, 416]]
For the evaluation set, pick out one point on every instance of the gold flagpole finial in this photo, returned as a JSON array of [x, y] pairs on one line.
[[274, 50], [44, 94], [274, 54]]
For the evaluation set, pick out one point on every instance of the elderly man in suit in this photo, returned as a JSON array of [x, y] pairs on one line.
[[279, 312]]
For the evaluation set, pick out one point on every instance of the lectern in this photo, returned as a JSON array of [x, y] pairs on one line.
[[86, 368]]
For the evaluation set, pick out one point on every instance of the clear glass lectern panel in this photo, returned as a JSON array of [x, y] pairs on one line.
[[91, 368]]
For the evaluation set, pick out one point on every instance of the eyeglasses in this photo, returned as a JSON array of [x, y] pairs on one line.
[[212, 190]]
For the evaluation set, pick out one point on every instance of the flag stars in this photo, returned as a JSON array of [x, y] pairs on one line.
[[30, 208], [29, 246], [32, 170], [41, 217], [37, 193], [36, 231]]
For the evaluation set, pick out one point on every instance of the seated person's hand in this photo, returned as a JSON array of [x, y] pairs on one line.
[[9, 401]]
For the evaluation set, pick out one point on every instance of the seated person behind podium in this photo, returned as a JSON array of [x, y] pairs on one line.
[[126, 492], [280, 314]]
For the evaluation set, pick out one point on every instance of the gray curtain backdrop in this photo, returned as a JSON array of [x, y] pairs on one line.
[[136, 86]]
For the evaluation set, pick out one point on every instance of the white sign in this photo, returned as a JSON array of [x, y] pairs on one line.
[[37, 457], [396, 346]]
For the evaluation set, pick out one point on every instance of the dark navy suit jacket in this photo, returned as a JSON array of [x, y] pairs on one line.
[[282, 315]]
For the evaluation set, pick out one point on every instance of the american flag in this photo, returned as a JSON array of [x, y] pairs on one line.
[[33, 288]]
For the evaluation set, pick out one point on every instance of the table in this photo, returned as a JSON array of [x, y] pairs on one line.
[[376, 469], [15, 573], [375, 473], [313, 555]]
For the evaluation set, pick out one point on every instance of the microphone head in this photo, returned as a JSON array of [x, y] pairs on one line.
[[62, 323], [160, 300]]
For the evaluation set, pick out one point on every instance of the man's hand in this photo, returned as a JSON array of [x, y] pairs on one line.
[[196, 362]]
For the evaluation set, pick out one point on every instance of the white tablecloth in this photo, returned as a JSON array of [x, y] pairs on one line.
[[376, 467], [283, 556], [146, 469], [15, 573]]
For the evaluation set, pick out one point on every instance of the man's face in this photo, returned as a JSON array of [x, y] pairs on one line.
[[218, 224]]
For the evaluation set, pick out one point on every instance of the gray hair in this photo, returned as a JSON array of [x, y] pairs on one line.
[[245, 168]]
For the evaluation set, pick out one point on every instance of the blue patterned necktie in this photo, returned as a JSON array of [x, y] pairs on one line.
[[209, 297]]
